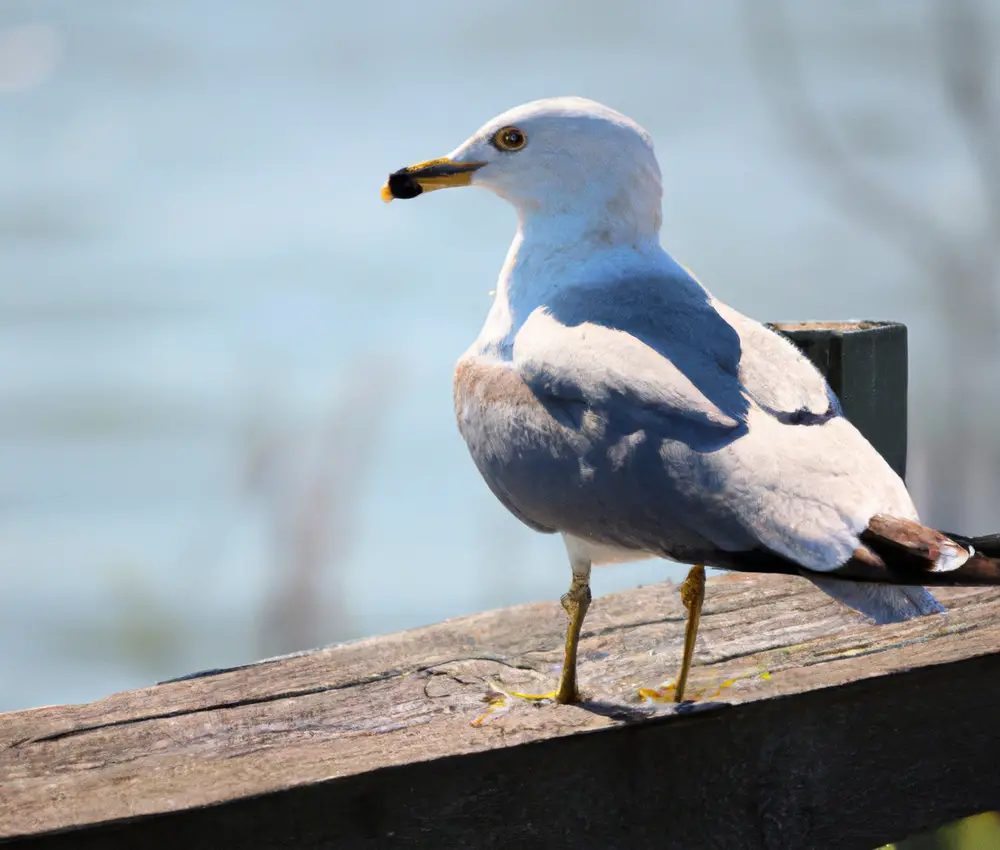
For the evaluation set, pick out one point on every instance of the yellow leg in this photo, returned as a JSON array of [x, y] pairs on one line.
[[576, 602], [692, 595]]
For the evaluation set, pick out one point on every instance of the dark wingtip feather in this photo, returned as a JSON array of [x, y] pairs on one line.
[[987, 544], [899, 552], [911, 545]]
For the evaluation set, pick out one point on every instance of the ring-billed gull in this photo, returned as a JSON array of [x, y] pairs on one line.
[[609, 397]]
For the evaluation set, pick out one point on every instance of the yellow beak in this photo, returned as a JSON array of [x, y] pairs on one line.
[[427, 176]]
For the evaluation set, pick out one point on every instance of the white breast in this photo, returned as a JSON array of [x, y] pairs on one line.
[[599, 554]]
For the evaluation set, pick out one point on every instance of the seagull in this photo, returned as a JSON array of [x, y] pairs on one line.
[[610, 398]]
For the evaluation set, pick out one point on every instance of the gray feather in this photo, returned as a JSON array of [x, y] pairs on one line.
[[880, 602], [646, 415]]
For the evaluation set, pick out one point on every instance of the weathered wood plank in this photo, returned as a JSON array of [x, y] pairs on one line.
[[371, 743]]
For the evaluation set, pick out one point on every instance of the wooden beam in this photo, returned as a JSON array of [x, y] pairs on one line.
[[833, 734], [865, 364]]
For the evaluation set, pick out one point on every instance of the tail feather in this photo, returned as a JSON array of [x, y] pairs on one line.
[[910, 543], [882, 603], [988, 545], [888, 576], [914, 548]]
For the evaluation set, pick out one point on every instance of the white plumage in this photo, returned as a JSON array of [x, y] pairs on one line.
[[611, 398]]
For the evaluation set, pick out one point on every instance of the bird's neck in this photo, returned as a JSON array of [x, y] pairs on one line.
[[555, 253]]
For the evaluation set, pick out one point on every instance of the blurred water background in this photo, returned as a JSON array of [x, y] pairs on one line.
[[226, 426]]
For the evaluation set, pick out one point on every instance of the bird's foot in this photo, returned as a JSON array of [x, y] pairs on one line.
[[667, 692], [566, 694], [575, 602], [534, 697], [499, 699]]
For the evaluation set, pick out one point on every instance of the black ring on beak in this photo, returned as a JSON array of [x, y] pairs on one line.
[[402, 185], [414, 180]]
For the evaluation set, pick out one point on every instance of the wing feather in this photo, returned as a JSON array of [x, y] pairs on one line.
[[645, 414]]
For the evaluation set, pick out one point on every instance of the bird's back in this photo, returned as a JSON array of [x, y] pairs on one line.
[[645, 413]]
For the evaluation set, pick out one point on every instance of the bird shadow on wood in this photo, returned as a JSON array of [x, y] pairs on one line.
[[624, 712]]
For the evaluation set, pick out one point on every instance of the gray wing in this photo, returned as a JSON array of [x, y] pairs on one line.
[[777, 376], [646, 415]]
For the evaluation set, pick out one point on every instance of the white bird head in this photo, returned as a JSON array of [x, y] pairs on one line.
[[564, 156]]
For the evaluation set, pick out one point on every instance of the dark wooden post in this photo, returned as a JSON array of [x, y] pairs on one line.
[[865, 364]]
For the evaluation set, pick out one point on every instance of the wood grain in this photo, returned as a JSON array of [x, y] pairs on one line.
[[835, 733]]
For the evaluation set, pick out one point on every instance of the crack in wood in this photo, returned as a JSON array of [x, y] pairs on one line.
[[375, 678]]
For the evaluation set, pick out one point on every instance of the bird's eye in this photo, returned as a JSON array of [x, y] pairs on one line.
[[509, 139]]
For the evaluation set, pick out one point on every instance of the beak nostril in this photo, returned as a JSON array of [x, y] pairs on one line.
[[402, 185]]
